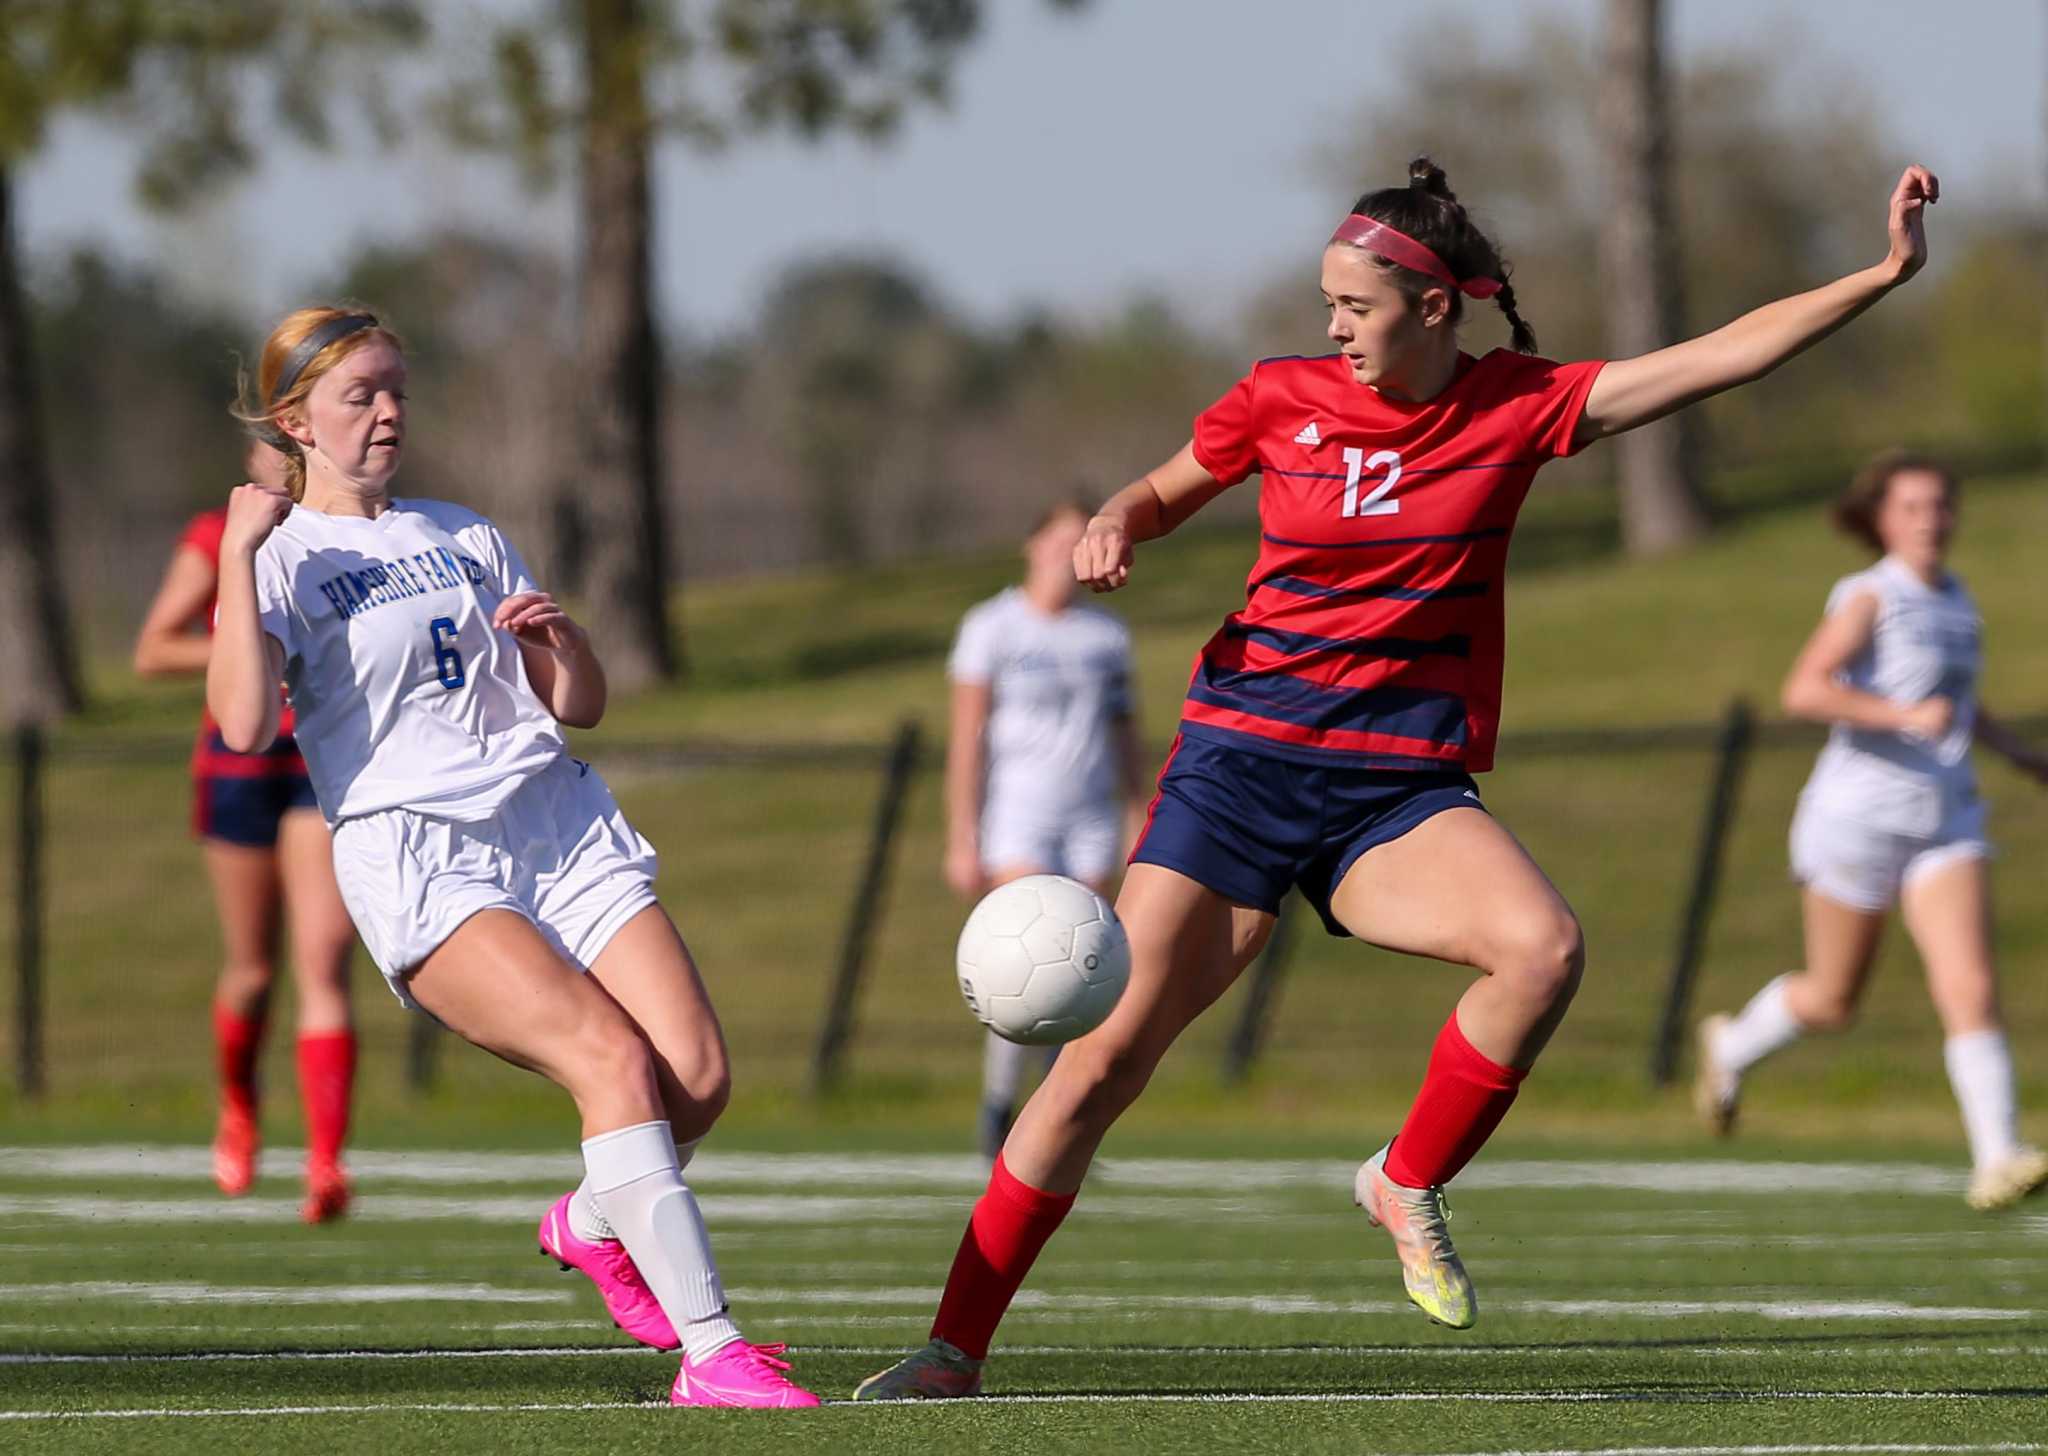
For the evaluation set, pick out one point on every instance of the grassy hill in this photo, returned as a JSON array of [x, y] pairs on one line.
[[760, 859]]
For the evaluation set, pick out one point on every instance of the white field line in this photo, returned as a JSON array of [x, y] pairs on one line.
[[1385, 1397], [181, 1292], [1061, 1302], [720, 1209], [964, 1172], [1093, 1352], [1027, 1301]]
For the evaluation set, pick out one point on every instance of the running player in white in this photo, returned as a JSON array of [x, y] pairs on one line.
[[491, 875], [1043, 772], [1891, 814]]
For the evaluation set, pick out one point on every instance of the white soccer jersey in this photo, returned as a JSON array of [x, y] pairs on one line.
[[406, 696], [1056, 683], [1926, 643]]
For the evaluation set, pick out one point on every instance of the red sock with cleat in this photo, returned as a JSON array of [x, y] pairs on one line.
[[1010, 1225], [327, 1075], [1464, 1096], [237, 1040]]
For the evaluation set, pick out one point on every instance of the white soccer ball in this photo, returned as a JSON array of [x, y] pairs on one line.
[[1043, 960]]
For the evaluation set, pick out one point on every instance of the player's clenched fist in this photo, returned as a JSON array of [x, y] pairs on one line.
[[1102, 560], [254, 511]]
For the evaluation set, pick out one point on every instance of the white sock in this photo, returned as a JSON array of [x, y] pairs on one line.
[[588, 1222], [639, 1189], [1980, 1070], [1764, 1026], [1002, 1071]]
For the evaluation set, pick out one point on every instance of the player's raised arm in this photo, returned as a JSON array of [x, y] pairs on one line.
[[247, 663], [1147, 508], [1632, 392]]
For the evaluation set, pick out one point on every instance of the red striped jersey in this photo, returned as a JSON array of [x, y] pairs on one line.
[[1373, 627], [210, 757]]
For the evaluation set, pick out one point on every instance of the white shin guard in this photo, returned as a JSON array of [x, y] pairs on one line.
[[636, 1184]]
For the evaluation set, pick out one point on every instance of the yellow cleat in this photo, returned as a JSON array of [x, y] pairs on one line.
[[2002, 1184], [937, 1372], [1417, 1218]]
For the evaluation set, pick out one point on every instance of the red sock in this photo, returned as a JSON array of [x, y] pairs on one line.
[[1010, 1225], [327, 1075], [1464, 1096], [236, 1042]]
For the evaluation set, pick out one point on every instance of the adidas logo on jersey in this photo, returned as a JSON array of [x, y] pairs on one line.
[[1309, 435]]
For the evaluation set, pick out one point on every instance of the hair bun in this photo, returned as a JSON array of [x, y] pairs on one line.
[[1426, 176]]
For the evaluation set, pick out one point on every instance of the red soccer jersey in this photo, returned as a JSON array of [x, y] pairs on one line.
[[203, 534], [1373, 628]]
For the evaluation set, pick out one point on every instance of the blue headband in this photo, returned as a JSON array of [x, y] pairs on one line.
[[333, 331]]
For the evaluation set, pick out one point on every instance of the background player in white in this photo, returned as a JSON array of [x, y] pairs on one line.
[[1043, 772], [1891, 814], [492, 876]]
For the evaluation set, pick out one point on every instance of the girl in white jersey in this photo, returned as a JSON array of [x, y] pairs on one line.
[[491, 875], [1043, 772], [1891, 813]]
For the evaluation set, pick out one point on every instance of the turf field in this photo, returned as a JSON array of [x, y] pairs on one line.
[[1656, 1301]]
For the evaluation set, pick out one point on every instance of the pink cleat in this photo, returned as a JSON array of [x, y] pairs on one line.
[[631, 1303], [740, 1374]]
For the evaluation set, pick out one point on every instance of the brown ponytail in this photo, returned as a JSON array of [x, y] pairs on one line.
[[1429, 212]]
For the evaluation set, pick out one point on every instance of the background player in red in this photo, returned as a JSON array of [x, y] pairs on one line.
[[271, 864], [1332, 724]]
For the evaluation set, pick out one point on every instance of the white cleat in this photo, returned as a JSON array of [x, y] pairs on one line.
[[1716, 1091], [937, 1372], [1431, 1270], [2020, 1174]]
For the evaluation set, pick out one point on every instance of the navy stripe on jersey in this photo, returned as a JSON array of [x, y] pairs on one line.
[[1402, 712], [1402, 649], [1407, 471], [1484, 534], [1297, 586]]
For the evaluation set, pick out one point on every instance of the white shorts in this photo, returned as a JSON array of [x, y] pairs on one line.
[[558, 852], [1083, 847], [1864, 867]]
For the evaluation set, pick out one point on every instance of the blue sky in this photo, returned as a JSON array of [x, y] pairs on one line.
[[1083, 155]]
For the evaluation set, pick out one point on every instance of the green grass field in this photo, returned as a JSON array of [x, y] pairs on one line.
[[760, 861], [1641, 1291], [1660, 1300]]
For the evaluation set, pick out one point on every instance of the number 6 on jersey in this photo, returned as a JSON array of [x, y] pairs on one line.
[[1375, 503], [447, 661]]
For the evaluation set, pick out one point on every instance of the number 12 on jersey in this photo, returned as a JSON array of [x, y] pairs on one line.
[[447, 661], [1356, 463]]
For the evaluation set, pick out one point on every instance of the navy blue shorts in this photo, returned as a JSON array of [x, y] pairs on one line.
[[1249, 826], [239, 798]]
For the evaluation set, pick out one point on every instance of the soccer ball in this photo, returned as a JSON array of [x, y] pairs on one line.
[[1043, 960]]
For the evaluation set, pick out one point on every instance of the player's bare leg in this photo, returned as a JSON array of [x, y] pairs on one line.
[[498, 984], [1003, 1063], [1188, 944], [1841, 949], [1414, 894], [244, 879], [1948, 913]]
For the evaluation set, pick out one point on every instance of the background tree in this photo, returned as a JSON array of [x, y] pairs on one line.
[[607, 79], [1663, 506], [183, 73]]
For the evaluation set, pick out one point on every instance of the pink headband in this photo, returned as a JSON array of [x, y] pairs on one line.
[[1398, 247]]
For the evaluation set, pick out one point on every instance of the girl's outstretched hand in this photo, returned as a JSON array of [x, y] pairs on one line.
[[1918, 189]]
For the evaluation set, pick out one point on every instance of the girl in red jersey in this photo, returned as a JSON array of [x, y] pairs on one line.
[[1333, 722], [271, 863]]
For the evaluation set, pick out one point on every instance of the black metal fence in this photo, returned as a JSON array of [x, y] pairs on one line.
[[855, 795]]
